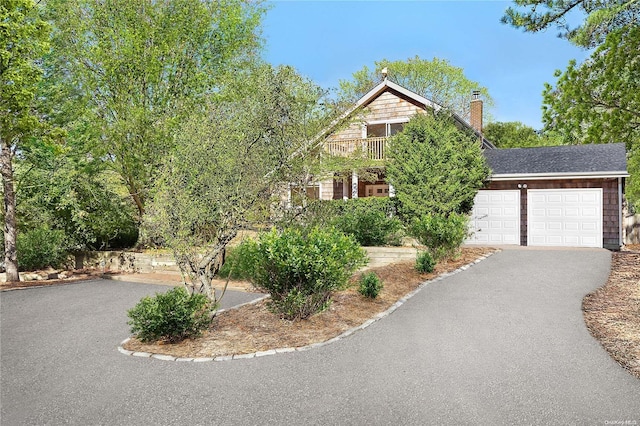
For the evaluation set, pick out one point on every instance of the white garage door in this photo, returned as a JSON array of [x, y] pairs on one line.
[[495, 218], [564, 217]]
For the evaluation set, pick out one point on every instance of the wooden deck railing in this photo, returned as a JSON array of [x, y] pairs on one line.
[[371, 148]]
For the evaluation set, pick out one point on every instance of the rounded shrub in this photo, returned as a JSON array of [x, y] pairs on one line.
[[425, 262], [172, 316], [368, 227], [370, 285], [443, 235], [300, 269]]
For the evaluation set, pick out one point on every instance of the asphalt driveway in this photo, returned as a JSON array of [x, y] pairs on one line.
[[500, 343]]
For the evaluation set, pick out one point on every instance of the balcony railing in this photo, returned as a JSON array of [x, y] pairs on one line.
[[370, 148]]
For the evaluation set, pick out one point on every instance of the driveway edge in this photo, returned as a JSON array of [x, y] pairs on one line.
[[341, 336]]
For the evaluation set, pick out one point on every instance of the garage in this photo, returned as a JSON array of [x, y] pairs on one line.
[[564, 217], [495, 218], [570, 196]]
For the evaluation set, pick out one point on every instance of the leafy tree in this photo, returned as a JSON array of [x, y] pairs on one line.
[[435, 167], [24, 39], [75, 195], [228, 163], [599, 100], [514, 134], [436, 80], [602, 18], [136, 69]]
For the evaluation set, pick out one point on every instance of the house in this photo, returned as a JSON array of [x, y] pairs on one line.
[[548, 196]]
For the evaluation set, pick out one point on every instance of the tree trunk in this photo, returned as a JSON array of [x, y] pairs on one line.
[[10, 228]]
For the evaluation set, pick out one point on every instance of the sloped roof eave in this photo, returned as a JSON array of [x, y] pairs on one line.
[[553, 176]]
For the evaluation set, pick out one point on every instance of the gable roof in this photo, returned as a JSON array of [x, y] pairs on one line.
[[565, 161], [386, 85]]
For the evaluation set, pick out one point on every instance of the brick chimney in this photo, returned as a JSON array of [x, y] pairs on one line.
[[476, 111]]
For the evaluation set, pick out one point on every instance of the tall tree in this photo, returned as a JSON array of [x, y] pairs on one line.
[[228, 163], [436, 80], [136, 69], [435, 167], [599, 100], [24, 39], [602, 17], [514, 134]]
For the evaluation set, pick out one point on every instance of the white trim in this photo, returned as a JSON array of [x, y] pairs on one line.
[[391, 121], [620, 218], [354, 184], [547, 176]]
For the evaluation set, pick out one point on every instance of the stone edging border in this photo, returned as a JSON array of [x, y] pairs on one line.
[[344, 334]]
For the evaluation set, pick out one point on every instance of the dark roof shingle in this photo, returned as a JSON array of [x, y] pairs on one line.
[[558, 159]]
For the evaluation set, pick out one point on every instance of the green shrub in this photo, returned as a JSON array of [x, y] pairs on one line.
[[425, 262], [443, 235], [371, 221], [300, 269], [370, 285], [172, 316], [368, 227], [237, 263], [40, 248]]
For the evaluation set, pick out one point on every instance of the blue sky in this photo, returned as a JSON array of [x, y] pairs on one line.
[[328, 41]]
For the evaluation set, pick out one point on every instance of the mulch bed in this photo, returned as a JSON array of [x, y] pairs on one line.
[[253, 328], [612, 312]]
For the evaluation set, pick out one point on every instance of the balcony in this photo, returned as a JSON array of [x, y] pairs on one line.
[[369, 148]]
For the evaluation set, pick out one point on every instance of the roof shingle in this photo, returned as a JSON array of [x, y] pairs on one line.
[[558, 159]]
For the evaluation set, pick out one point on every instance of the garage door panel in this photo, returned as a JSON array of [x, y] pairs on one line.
[[575, 221], [495, 218], [555, 225], [538, 212], [572, 212], [569, 240], [572, 226]]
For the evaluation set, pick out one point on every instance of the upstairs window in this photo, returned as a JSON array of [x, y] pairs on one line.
[[383, 129]]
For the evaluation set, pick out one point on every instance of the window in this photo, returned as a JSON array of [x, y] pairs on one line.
[[383, 129], [379, 190]]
